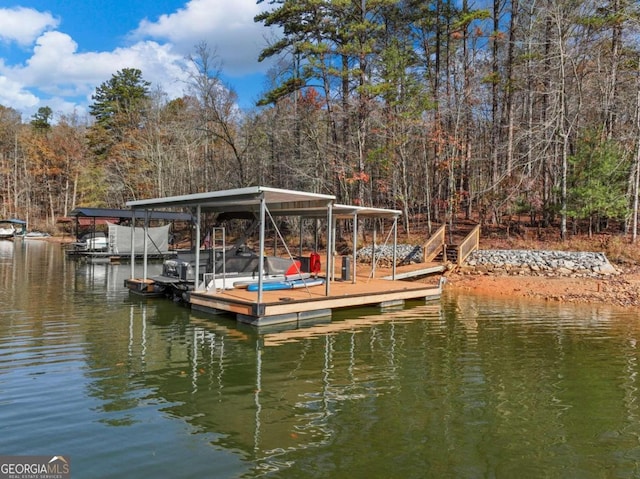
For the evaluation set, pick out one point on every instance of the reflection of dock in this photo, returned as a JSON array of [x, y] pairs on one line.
[[352, 324], [238, 393]]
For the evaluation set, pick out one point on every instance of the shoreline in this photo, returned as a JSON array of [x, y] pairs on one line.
[[621, 289]]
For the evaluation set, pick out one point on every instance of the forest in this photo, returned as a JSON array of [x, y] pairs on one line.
[[525, 109]]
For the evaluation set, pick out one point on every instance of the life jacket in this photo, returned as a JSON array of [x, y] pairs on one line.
[[314, 263]]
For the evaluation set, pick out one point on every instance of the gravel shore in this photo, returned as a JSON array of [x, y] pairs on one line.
[[559, 276]]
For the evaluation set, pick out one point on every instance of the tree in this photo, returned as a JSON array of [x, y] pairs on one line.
[[219, 119], [598, 183], [310, 32], [68, 138], [13, 178], [42, 119], [120, 108], [121, 100]]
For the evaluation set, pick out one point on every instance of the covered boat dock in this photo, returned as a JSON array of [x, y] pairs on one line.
[[88, 221], [264, 307]]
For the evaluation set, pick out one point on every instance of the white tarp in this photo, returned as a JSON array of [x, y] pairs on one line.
[[120, 239]]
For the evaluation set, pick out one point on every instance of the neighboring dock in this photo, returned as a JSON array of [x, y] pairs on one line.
[[96, 246]]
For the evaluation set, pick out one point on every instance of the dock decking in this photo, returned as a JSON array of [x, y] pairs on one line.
[[301, 305], [298, 305]]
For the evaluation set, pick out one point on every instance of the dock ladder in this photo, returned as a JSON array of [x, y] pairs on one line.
[[218, 243]]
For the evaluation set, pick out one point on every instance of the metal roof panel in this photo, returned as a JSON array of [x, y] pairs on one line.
[[241, 199], [119, 213]]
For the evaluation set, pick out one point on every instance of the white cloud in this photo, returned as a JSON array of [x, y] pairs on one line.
[[226, 26], [13, 94], [62, 106], [57, 67], [60, 75], [24, 25]]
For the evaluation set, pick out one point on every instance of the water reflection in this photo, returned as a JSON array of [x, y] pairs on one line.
[[466, 387], [108, 276], [432, 382], [263, 396], [6, 251]]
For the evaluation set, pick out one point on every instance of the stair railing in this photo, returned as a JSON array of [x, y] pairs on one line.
[[469, 245], [434, 245]]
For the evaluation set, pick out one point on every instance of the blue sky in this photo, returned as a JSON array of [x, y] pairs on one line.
[[56, 52]]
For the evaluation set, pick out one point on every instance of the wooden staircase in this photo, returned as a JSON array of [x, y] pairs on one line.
[[455, 249], [449, 254]]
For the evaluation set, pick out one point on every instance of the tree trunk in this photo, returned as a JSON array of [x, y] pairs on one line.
[[636, 183]]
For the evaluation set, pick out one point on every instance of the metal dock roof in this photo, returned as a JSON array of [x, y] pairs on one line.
[[281, 202], [120, 213]]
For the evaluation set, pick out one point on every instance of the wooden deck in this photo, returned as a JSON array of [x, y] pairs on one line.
[[300, 305]]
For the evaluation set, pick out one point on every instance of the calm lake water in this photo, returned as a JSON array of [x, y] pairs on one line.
[[466, 387]]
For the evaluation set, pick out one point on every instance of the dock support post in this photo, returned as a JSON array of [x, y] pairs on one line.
[[355, 246], [373, 249], [196, 283], [330, 248], [133, 253], [395, 246], [145, 242], [261, 247]]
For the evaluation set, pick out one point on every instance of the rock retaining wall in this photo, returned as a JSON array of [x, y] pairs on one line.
[[541, 263], [508, 262], [405, 254]]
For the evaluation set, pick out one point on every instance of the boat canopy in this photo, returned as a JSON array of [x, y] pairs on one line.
[[120, 239], [262, 200], [281, 202], [113, 214], [14, 221]]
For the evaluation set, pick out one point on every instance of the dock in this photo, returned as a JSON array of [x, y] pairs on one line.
[[356, 288], [301, 305]]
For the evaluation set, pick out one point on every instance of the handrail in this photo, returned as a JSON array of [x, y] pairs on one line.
[[469, 244], [218, 239], [434, 245]]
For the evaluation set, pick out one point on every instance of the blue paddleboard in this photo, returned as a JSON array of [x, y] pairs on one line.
[[291, 284]]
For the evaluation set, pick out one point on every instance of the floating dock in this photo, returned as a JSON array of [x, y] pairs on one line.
[[264, 307], [301, 305]]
